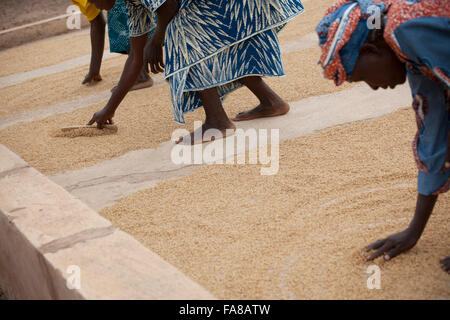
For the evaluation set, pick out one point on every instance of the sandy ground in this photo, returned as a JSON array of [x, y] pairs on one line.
[[300, 233]]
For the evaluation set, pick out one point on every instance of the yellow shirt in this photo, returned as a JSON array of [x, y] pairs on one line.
[[89, 10]]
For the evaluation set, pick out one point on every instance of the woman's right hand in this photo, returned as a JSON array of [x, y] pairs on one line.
[[102, 117]]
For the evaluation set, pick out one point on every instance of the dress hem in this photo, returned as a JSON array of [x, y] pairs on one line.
[[235, 79]]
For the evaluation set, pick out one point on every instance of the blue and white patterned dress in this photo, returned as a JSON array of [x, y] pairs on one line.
[[214, 43]]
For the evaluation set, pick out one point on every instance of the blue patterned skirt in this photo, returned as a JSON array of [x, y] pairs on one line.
[[214, 44]]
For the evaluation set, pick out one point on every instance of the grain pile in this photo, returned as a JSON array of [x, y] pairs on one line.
[[301, 233], [84, 131]]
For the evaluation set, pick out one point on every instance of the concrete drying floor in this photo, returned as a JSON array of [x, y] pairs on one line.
[[346, 176]]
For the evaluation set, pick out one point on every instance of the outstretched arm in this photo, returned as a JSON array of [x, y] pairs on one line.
[[405, 240], [130, 73]]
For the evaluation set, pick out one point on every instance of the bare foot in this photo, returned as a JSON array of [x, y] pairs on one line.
[[139, 85], [445, 263], [263, 111], [208, 132]]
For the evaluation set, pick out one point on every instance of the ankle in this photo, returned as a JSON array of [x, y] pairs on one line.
[[218, 123]]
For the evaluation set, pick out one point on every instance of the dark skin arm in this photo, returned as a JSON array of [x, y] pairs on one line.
[[130, 73], [400, 242], [97, 45], [153, 52]]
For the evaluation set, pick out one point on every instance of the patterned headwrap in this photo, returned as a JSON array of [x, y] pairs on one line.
[[342, 31]]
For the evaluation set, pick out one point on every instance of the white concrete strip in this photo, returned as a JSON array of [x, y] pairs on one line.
[[100, 185], [45, 71]]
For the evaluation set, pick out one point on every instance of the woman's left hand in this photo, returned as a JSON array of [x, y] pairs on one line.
[[153, 54]]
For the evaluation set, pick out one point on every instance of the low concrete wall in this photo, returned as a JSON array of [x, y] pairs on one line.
[[48, 237]]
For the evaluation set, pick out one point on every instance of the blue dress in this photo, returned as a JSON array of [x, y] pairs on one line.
[[215, 43], [419, 33]]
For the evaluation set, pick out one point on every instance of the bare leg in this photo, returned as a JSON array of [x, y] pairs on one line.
[[143, 81], [143, 76], [216, 118], [271, 104], [98, 45]]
